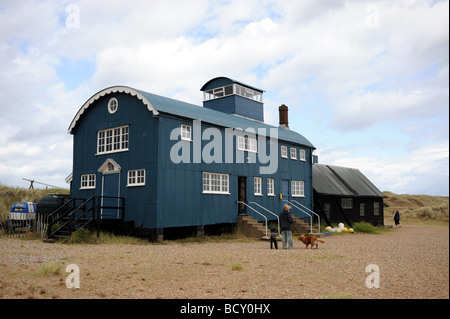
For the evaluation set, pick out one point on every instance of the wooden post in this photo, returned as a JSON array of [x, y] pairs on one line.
[[159, 234], [97, 210], [200, 231]]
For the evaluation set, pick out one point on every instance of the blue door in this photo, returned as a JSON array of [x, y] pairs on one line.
[[285, 189], [110, 195]]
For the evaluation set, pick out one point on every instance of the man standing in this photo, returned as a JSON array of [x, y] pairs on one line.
[[285, 225]]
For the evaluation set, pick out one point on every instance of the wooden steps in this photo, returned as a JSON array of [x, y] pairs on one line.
[[252, 228], [299, 226]]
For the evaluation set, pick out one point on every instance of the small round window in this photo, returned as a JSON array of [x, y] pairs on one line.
[[113, 105]]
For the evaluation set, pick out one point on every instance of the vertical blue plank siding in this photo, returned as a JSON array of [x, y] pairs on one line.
[[235, 104], [173, 193], [140, 201], [183, 181]]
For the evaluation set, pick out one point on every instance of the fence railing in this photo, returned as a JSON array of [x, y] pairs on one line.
[[73, 214]]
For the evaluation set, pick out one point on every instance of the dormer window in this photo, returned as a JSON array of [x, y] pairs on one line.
[[233, 89]]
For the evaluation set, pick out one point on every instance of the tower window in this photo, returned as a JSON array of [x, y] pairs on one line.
[[236, 89]]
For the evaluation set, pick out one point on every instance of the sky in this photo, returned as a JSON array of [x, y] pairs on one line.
[[366, 82]]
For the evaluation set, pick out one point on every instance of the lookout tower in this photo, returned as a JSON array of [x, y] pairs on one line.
[[233, 97]]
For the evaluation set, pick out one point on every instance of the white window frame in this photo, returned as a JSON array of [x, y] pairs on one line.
[[270, 187], [298, 188], [88, 181], [216, 183], [257, 186], [302, 155], [136, 178], [248, 144], [231, 89], [362, 209], [113, 105], [293, 152], [248, 93], [113, 140], [218, 92], [284, 151], [186, 132]]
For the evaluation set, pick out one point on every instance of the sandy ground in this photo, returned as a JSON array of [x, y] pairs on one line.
[[412, 262]]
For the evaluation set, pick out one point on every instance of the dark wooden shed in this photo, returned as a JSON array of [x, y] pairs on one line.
[[343, 194]]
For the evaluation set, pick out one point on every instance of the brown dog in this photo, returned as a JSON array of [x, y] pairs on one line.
[[311, 240]]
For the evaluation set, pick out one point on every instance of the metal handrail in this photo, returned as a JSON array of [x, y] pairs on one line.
[[278, 218], [318, 217], [239, 202], [310, 216]]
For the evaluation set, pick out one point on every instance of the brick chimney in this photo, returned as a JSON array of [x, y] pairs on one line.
[[283, 110]]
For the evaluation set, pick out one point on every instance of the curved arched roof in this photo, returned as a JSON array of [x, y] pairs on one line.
[[113, 89], [159, 104], [222, 81]]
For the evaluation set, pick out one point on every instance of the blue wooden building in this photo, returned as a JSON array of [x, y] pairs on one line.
[[177, 164]]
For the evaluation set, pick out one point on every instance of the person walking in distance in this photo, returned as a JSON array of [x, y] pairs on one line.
[[397, 219]]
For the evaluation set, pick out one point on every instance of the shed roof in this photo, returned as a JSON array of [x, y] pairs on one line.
[[342, 181], [160, 104]]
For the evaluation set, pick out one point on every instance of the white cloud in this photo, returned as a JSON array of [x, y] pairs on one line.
[[26, 21], [345, 69], [422, 171], [356, 112]]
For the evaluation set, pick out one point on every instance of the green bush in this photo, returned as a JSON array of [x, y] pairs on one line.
[[80, 236], [55, 227], [364, 227], [51, 267]]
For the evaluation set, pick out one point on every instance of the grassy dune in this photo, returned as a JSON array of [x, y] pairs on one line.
[[424, 209], [9, 195]]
